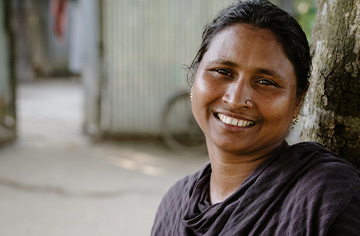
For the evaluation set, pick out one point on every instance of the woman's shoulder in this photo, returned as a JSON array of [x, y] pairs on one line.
[[325, 167], [324, 186], [183, 188], [311, 147], [348, 221], [174, 202], [329, 178], [317, 155]]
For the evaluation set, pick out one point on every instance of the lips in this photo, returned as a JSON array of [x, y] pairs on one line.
[[234, 122]]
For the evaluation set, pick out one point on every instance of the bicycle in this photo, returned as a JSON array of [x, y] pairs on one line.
[[180, 130]]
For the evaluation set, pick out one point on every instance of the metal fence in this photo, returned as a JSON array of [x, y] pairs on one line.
[[146, 44]]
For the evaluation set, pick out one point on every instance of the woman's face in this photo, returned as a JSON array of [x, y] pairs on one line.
[[244, 92]]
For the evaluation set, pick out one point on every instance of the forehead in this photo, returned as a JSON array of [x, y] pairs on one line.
[[246, 36]]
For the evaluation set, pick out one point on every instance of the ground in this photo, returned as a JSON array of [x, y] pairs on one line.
[[55, 181]]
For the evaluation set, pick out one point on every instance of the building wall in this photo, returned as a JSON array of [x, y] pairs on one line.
[[146, 44], [49, 41], [4, 64], [7, 90], [88, 12]]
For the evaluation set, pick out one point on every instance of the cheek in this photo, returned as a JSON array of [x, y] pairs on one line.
[[207, 87], [279, 109], [199, 110], [200, 88], [201, 84], [197, 91], [198, 97], [204, 94]]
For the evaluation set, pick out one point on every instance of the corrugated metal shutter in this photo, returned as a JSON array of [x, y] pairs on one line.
[[146, 44]]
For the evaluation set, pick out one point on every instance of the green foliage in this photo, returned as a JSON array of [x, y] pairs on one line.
[[306, 14]]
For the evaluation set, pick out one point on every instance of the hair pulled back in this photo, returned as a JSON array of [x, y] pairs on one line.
[[264, 15]]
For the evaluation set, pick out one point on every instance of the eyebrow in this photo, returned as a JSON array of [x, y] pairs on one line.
[[269, 72], [224, 62], [257, 70]]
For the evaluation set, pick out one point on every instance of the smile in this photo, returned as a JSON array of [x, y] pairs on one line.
[[234, 122]]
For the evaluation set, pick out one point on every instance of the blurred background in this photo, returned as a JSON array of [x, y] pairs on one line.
[[85, 86]]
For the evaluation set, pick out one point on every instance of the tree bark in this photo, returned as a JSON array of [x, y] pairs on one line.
[[332, 106]]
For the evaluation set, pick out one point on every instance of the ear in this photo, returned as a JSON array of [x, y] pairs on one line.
[[299, 102]]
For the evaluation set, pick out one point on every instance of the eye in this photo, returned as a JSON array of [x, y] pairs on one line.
[[266, 82], [224, 72]]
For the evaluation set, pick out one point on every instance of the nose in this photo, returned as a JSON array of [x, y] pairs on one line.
[[238, 94]]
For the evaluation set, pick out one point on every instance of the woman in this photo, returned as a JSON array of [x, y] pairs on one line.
[[251, 74]]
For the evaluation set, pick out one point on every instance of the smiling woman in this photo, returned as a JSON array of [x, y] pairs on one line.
[[250, 77], [246, 80]]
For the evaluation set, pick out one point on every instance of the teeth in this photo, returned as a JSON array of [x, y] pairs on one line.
[[235, 122], [228, 120]]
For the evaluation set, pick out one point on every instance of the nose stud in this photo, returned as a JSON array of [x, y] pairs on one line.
[[248, 102]]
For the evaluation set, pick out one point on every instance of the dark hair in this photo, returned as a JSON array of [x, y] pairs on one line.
[[264, 15]]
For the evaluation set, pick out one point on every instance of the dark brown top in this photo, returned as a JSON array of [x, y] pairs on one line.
[[306, 190]]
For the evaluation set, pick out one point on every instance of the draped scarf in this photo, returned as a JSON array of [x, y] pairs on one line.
[[300, 191]]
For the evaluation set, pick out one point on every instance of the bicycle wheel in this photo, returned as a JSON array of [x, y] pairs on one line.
[[180, 130]]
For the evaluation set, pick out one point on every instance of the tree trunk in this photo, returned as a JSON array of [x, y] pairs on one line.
[[332, 107]]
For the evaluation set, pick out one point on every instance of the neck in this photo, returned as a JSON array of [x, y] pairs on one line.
[[230, 170]]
